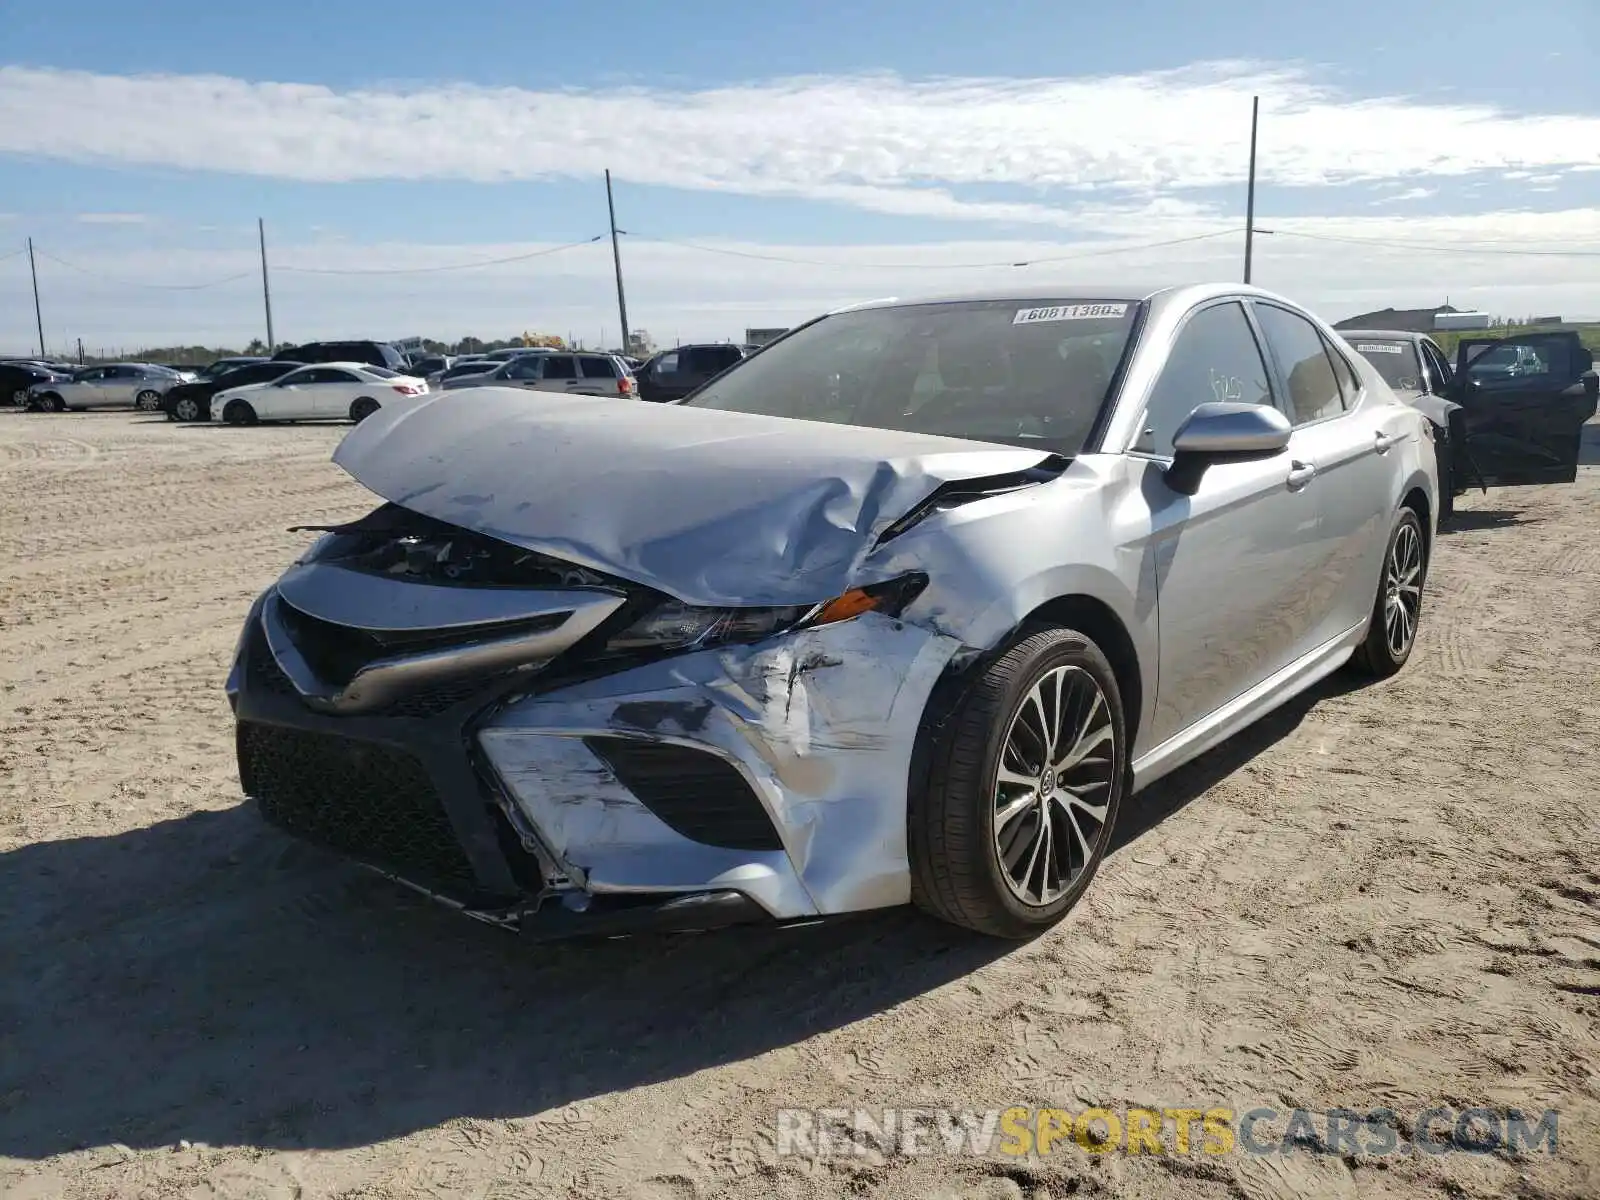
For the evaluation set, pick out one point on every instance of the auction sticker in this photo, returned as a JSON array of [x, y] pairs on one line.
[[1068, 312], [1375, 348]]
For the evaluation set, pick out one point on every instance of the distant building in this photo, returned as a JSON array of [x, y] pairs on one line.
[[1413, 320], [1462, 320], [760, 337]]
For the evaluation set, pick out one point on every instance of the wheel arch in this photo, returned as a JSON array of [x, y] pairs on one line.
[[1089, 615], [1416, 499]]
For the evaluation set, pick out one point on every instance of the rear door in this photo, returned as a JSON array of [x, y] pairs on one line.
[[557, 373], [597, 376], [1524, 403], [333, 388], [1349, 443]]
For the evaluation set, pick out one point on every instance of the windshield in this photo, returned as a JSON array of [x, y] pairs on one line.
[[1395, 359], [1031, 373]]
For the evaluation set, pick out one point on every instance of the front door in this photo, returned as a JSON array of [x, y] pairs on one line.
[[1524, 403], [1232, 560]]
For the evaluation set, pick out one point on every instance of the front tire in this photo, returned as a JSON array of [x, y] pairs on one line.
[[1397, 610], [52, 403], [186, 408], [238, 412], [1023, 791], [147, 401]]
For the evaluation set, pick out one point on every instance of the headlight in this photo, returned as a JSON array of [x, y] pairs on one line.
[[674, 626]]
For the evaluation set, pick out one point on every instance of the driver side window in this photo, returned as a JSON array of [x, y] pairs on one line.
[[1215, 357]]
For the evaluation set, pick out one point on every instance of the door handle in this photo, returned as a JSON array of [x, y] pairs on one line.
[[1383, 442], [1300, 474]]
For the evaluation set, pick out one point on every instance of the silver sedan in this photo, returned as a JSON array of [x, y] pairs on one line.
[[117, 385], [901, 609]]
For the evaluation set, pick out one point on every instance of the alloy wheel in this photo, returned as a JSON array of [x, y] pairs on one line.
[[1402, 582], [187, 409], [1052, 785]]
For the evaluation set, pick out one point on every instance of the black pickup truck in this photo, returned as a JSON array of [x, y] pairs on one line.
[[1510, 411]]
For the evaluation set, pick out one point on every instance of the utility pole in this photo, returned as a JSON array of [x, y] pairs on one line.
[[80, 352], [1250, 196], [38, 318], [266, 288], [616, 258]]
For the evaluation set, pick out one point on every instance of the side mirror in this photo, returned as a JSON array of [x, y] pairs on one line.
[[1224, 432]]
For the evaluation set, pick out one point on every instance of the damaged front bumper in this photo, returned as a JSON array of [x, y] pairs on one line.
[[751, 782]]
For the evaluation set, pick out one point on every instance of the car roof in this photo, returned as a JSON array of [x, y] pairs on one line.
[[349, 366], [1397, 335], [1076, 293]]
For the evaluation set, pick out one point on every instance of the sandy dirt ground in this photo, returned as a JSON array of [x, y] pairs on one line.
[[1382, 896]]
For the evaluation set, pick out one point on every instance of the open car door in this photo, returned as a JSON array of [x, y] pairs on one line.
[[1524, 403]]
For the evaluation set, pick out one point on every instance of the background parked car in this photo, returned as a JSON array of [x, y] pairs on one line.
[[1511, 411], [325, 392], [17, 376], [426, 366], [557, 371], [372, 354], [463, 366], [117, 385], [673, 374], [192, 401], [222, 366]]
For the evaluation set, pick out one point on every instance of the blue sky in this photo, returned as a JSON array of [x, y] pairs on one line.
[[381, 137]]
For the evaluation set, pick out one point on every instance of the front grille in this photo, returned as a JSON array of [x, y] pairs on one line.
[[337, 652], [361, 799], [698, 795]]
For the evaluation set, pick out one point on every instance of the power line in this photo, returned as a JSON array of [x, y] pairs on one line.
[[466, 266], [169, 287], [1475, 248], [15, 253], [911, 266]]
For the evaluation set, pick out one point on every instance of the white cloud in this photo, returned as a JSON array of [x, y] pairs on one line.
[[112, 218], [675, 290], [877, 142], [1416, 193]]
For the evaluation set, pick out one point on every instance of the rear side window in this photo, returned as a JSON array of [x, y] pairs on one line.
[[520, 368], [559, 366], [1297, 345], [1215, 358], [1349, 384], [597, 368]]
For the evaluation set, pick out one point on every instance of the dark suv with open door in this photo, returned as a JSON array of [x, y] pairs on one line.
[[673, 374]]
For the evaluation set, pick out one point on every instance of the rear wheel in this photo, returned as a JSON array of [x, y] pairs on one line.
[[147, 401], [1392, 630], [1023, 791], [363, 408], [239, 413], [20, 397]]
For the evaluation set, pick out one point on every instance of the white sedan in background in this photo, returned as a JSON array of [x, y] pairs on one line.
[[325, 392]]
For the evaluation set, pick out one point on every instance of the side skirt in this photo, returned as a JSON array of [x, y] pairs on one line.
[[1246, 709]]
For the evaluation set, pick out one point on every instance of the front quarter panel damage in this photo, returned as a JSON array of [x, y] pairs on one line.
[[821, 723]]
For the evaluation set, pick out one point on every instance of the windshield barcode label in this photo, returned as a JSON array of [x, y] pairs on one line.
[[1068, 312], [1365, 348]]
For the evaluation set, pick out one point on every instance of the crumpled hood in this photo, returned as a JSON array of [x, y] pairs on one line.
[[714, 508]]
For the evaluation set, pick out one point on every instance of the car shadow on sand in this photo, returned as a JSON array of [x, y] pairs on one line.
[[207, 979]]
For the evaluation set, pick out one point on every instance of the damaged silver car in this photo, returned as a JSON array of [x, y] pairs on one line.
[[900, 609]]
